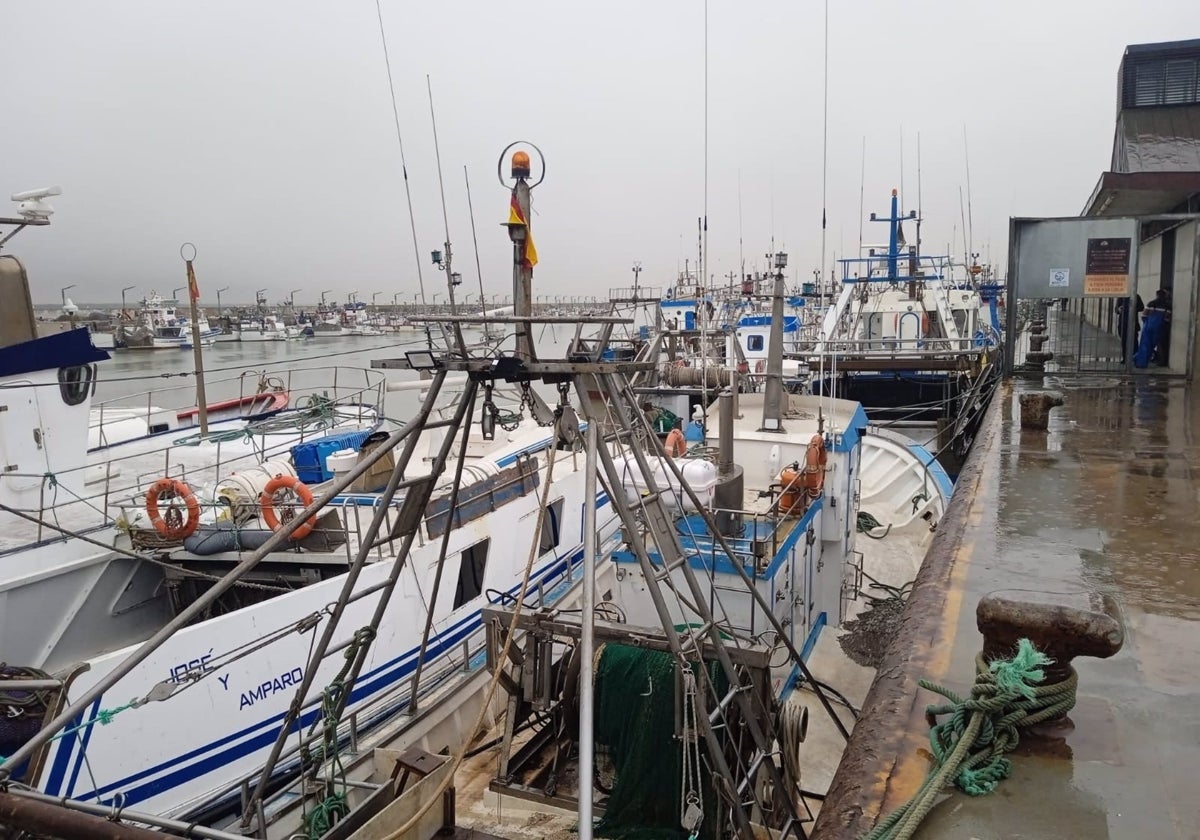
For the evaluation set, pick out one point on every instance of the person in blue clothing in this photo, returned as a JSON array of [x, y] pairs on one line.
[[1156, 331], [695, 429]]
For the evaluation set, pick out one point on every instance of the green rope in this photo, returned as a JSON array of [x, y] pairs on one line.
[[326, 813], [103, 717], [970, 746], [867, 523]]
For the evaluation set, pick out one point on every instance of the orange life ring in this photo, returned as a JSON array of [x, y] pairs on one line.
[[171, 523], [924, 325], [267, 500], [676, 445], [760, 366], [813, 476]]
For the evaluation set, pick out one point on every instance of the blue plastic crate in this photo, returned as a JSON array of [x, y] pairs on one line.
[[309, 457]]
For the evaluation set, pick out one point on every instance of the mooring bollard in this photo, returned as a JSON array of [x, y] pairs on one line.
[[1035, 409], [1063, 626]]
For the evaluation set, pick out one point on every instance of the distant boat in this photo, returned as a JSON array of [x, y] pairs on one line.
[[159, 327]]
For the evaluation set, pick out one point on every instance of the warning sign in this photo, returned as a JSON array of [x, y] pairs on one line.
[[1107, 268]]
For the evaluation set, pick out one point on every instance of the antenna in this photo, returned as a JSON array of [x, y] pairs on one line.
[[963, 213], [918, 192], [969, 229], [825, 146], [862, 186], [901, 170], [741, 250], [446, 263], [403, 165]]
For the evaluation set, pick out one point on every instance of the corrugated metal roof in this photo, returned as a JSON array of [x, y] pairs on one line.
[[1157, 140]]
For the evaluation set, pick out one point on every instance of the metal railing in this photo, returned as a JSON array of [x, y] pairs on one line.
[[82, 498]]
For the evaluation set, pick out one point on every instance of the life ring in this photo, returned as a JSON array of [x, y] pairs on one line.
[[267, 500], [676, 444], [760, 366], [813, 476], [170, 523]]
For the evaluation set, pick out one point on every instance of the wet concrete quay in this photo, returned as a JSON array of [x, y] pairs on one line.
[[1105, 501]]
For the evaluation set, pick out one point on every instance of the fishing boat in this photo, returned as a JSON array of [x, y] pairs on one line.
[[160, 327], [340, 600], [916, 344], [262, 328]]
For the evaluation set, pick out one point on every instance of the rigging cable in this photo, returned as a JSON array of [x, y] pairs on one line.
[[475, 239], [400, 140]]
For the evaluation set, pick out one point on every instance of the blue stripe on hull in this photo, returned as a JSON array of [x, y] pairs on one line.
[[263, 733]]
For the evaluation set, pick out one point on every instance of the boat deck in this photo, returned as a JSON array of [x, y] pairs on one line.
[[1105, 501]]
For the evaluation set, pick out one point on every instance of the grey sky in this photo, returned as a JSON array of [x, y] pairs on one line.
[[262, 131]]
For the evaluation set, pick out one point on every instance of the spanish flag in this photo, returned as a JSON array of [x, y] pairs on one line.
[[193, 287], [516, 217]]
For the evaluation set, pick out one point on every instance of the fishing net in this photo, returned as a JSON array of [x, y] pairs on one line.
[[635, 720]]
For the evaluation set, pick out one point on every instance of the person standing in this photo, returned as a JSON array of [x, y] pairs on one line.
[[1123, 323], [1156, 332]]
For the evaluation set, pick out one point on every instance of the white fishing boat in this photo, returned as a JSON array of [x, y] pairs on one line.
[[159, 326], [262, 328], [347, 596]]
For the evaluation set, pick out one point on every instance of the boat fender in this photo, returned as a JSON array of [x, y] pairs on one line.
[[172, 525], [267, 501], [224, 538]]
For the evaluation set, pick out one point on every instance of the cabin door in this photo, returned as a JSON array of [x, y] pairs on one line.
[[22, 446]]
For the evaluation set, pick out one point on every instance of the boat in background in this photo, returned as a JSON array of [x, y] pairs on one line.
[[159, 326]]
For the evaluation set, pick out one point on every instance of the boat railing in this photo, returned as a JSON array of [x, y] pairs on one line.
[[758, 543], [907, 346], [89, 497], [339, 384]]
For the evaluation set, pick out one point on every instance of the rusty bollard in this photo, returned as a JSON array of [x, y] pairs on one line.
[[1061, 626], [1035, 409]]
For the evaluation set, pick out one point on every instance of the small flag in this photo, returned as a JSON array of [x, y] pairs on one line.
[[516, 217], [193, 288]]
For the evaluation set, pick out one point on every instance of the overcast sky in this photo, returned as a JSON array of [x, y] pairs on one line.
[[263, 132]]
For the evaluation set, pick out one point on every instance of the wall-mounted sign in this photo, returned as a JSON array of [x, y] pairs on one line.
[[1107, 267], [1060, 278]]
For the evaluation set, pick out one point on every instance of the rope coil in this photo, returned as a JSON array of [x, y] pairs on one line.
[[969, 747]]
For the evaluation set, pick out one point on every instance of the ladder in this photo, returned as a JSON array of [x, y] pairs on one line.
[[404, 528], [738, 768]]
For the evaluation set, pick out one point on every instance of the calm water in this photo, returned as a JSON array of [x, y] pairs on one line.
[[164, 378]]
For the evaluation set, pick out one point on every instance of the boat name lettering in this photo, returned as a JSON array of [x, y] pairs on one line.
[[193, 667], [271, 686]]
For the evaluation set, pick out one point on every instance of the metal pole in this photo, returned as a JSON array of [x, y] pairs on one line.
[[197, 353], [184, 618], [174, 826], [587, 690], [40, 818]]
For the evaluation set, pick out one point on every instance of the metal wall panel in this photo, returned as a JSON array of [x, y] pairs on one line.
[[1042, 247]]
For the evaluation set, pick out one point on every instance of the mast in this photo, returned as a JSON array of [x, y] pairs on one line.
[[773, 397], [197, 352], [524, 252]]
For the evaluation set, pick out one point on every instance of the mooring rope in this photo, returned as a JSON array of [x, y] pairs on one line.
[[970, 746]]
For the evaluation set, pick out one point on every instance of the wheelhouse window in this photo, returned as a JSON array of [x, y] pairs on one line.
[[551, 535], [76, 383], [470, 573], [754, 343]]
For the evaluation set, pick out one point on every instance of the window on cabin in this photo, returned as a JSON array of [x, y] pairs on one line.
[[551, 528], [470, 573], [754, 343], [1180, 86], [76, 383]]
